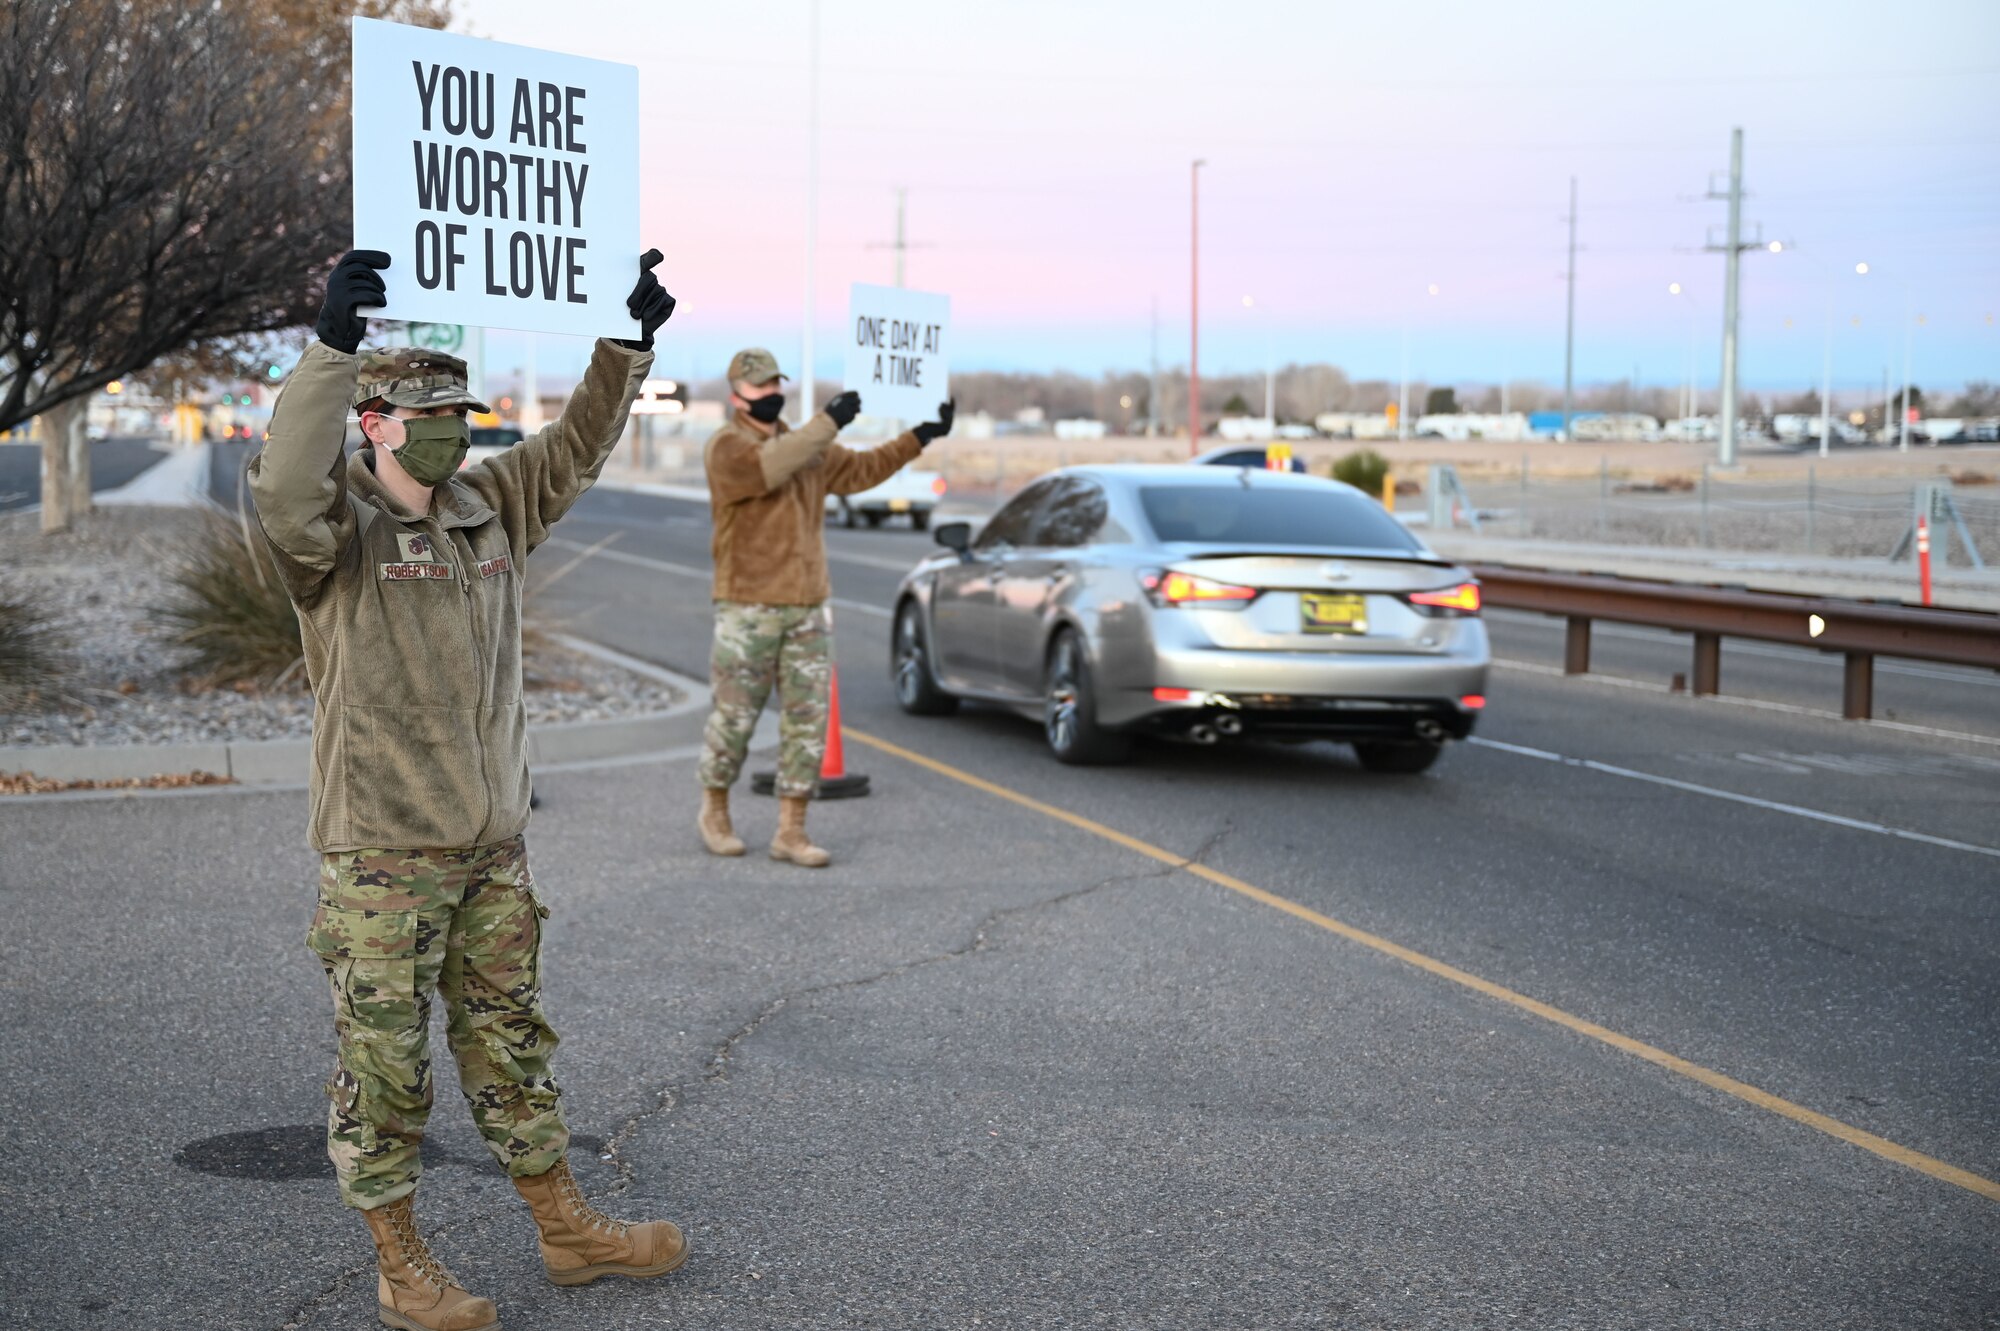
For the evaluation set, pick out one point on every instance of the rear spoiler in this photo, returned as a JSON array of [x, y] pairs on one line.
[[1322, 552]]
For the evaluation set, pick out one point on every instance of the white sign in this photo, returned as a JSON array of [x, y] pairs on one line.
[[503, 181], [897, 357]]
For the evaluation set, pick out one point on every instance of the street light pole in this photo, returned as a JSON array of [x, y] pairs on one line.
[[1194, 307], [1569, 328], [806, 383], [1826, 382]]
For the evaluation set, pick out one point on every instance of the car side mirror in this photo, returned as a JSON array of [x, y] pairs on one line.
[[954, 536]]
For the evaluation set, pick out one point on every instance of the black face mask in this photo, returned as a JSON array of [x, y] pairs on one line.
[[766, 409]]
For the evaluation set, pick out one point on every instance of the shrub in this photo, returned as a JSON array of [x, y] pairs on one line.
[[229, 608], [30, 651], [1363, 470]]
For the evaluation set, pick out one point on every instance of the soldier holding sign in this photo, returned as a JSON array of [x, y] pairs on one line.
[[767, 490], [406, 576]]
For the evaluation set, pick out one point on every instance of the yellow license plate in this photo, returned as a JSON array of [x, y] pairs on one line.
[[899, 505], [1320, 612]]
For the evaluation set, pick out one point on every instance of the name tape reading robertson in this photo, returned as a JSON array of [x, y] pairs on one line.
[[897, 355], [503, 181]]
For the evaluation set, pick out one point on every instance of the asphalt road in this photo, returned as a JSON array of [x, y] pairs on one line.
[[1000, 1067], [113, 462]]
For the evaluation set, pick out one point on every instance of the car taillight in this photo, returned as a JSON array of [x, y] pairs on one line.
[[1449, 601], [1170, 587], [938, 486], [1172, 695], [1472, 702]]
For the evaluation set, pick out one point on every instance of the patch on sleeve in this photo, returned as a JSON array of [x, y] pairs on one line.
[[414, 572], [497, 564], [416, 546]]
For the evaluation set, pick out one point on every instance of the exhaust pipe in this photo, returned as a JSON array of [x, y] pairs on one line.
[[1202, 734], [1428, 729], [1229, 724]]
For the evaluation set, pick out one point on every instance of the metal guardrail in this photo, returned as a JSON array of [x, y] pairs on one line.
[[1858, 630]]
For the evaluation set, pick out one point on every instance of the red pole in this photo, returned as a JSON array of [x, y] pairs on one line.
[[1194, 305], [1924, 556]]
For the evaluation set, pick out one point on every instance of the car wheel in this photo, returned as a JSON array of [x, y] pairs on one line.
[[920, 519], [910, 667], [1397, 758], [1069, 709], [848, 518], [873, 519]]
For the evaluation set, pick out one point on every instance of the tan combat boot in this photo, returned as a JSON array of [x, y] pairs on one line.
[[415, 1291], [792, 843], [581, 1243], [717, 833]]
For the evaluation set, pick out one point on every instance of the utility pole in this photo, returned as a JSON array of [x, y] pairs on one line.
[[1194, 308], [1903, 416], [1733, 263], [902, 245], [1826, 383], [1153, 393], [1569, 335], [806, 383]]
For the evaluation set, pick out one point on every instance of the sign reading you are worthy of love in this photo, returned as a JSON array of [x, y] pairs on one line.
[[503, 181], [896, 351]]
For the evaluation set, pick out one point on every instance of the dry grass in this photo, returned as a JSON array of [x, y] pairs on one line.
[[31, 651], [229, 609], [27, 783]]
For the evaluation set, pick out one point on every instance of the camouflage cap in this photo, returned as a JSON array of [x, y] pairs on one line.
[[414, 377], [754, 366]]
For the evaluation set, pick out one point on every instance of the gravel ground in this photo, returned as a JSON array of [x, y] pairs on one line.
[[123, 681]]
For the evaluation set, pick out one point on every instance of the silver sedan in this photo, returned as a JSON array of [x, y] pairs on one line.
[[1199, 603]]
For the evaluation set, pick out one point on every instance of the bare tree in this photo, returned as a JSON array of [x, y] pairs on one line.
[[169, 174]]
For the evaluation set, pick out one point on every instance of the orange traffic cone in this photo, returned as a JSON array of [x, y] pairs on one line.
[[835, 781]]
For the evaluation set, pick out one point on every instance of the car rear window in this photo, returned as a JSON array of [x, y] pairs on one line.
[[495, 436], [1240, 515]]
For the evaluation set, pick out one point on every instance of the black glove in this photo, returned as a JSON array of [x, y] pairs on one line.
[[844, 407], [354, 282], [649, 303], [938, 428]]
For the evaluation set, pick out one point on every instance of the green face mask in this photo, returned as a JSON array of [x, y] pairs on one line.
[[433, 447]]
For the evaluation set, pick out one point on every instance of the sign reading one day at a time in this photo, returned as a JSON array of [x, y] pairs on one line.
[[503, 181], [896, 351]]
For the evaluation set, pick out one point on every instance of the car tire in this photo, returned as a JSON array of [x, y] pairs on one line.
[[920, 519], [1069, 709], [1393, 758], [873, 520], [848, 517], [910, 667]]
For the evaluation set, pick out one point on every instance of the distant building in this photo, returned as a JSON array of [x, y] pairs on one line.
[[1462, 425], [1079, 428]]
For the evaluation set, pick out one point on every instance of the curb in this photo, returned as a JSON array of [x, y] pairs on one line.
[[288, 762]]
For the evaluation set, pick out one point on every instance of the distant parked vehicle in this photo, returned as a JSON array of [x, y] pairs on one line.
[[1239, 457], [907, 493], [490, 441]]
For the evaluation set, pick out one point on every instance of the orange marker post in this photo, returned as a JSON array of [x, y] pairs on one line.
[[1924, 556]]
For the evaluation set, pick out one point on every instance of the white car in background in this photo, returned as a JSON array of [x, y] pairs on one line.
[[908, 493]]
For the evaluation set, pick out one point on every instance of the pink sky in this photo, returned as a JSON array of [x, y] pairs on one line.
[[1356, 155]]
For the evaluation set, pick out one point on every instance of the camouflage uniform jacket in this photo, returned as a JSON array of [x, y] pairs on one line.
[[412, 623], [768, 496]]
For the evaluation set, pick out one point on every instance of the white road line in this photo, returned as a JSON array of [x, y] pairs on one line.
[[689, 571], [1761, 761], [1761, 704], [1774, 651], [1797, 811]]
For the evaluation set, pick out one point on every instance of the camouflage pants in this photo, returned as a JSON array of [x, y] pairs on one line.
[[756, 646], [394, 928]]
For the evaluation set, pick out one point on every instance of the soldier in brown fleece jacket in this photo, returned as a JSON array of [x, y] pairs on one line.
[[767, 489]]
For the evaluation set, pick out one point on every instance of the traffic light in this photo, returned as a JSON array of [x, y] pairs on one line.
[[276, 371], [228, 400]]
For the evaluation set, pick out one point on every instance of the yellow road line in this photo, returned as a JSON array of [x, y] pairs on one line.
[[1832, 1127]]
